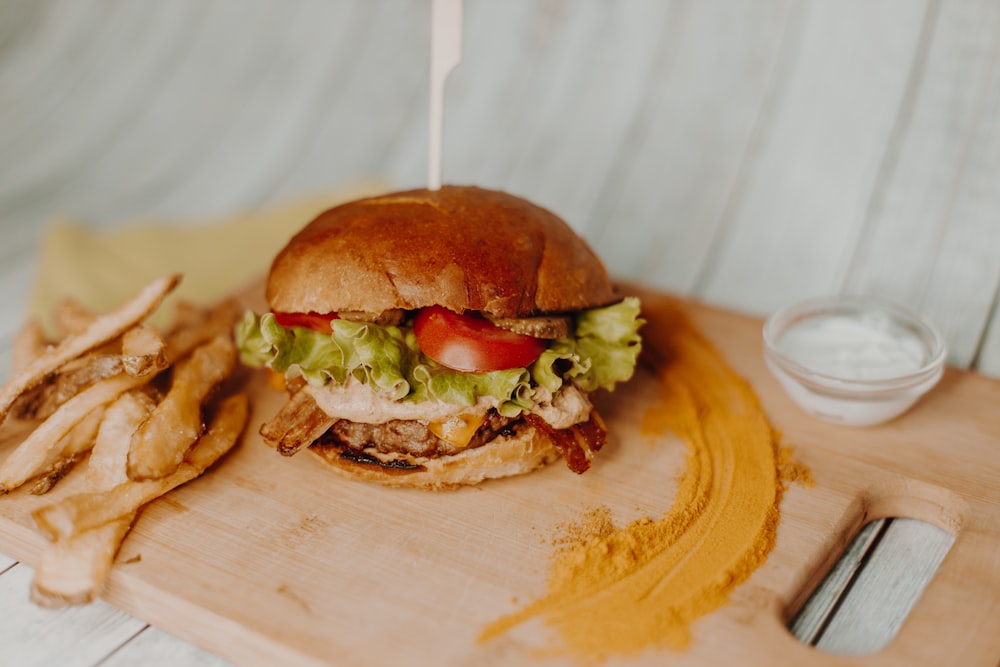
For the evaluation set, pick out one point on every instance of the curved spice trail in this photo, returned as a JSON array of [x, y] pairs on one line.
[[642, 586]]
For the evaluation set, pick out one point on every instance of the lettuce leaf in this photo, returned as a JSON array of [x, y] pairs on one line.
[[601, 353]]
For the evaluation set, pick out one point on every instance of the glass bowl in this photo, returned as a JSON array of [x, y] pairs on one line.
[[851, 360]]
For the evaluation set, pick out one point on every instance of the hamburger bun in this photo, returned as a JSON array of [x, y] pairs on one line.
[[464, 248]]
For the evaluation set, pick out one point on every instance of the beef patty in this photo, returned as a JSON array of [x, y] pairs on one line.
[[410, 436]]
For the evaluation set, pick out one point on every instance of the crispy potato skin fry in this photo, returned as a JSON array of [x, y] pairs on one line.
[[143, 350], [107, 464], [71, 317], [44, 399], [73, 571], [160, 444], [82, 512], [101, 330], [68, 451], [93, 392], [53, 474], [29, 458]]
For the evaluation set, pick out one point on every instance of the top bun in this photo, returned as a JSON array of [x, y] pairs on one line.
[[464, 248]]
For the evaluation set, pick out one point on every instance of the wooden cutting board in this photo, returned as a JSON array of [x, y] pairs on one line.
[[269, 560]]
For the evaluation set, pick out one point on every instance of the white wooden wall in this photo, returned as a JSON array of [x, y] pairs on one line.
[[747, 152]]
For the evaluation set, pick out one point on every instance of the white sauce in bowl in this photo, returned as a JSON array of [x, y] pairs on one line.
[[862, 346], [854, 361]]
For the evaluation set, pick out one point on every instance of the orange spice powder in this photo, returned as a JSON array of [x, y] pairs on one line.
[[621, 591]]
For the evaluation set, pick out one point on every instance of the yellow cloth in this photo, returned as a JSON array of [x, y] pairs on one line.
[[102, 268]]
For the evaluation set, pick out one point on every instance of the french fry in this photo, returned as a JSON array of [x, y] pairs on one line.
[[45, 398], [196, 327], [140, 345], [161, 442], [143, 350], [92, 392], [106, 467], [101, 330], [30, 457], [73, 571], [53, 474], [68, 451], [71, 318], [82, 512], [29, 343]]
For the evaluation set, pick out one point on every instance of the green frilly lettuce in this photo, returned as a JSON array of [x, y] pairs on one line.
[[601, 352]]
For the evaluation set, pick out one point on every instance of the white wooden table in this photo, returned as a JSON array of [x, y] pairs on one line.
[[749, 154]]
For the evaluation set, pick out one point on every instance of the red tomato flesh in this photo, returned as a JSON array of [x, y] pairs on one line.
[[466, 342], [308, 320]]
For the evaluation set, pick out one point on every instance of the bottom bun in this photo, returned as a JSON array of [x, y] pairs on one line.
[[504, 456]]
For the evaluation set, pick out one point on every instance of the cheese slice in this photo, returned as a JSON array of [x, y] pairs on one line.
[[458, 429], [276, 380]]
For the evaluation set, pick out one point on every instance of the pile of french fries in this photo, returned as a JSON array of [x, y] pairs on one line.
[[141, 412]]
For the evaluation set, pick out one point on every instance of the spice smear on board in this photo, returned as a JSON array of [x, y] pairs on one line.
[[621, 591]]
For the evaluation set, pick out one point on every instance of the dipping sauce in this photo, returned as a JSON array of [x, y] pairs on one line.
[[868, 345], [853, 360]]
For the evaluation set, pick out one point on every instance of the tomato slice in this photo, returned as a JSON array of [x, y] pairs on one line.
[[309, 320], [467, 342]]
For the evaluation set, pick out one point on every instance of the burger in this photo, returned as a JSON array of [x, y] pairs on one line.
[[440, 338]]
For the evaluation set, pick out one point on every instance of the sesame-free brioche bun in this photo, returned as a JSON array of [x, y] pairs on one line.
[[504, 456], [464, 248]]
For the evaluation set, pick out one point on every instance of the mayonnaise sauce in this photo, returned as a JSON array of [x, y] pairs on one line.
[[862, 346], [357, 402]]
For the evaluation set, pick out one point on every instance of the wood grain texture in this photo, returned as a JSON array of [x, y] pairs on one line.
[[870, 615], [811, 620]]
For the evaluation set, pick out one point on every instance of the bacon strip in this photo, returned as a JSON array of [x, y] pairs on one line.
[[298, 424], [578, 443]]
